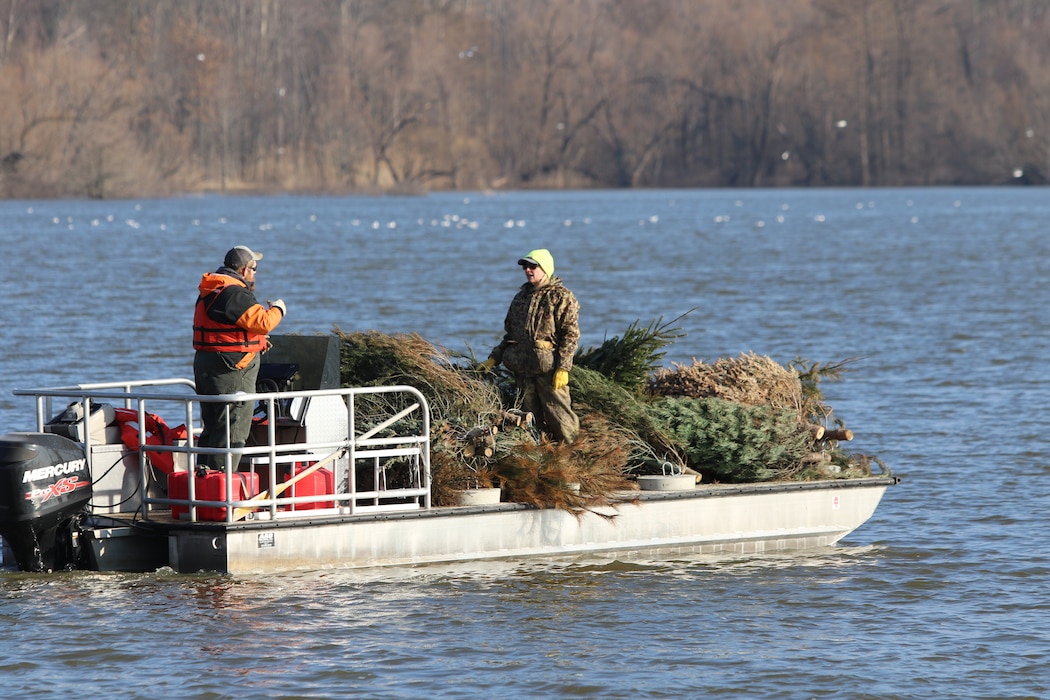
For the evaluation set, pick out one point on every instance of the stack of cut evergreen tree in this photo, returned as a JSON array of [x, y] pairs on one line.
[[736, 420]]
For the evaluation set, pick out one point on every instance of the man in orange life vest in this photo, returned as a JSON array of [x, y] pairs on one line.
[[230, 330]]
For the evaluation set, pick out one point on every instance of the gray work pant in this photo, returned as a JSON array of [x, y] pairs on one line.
[[213, 374]]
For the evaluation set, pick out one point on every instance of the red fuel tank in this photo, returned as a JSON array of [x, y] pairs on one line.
[[319, 483], [210, 487]]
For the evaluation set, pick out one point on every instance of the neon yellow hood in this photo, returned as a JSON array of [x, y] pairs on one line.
[[543, 258]]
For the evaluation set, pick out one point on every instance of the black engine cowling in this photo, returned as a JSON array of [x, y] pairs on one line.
[[45, 486]]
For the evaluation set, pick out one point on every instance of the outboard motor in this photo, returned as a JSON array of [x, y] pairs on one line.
[[45, 486]]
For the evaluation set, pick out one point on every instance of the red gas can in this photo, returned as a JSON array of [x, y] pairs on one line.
[[210, 487], [318, 483]]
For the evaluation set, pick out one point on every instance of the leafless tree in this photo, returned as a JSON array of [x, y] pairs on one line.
[[128, 96]]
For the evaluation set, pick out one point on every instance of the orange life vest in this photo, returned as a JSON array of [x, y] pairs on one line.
[[213, 336], [157, 433]]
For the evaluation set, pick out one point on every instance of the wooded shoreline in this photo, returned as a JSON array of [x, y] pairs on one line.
[[135, 98]]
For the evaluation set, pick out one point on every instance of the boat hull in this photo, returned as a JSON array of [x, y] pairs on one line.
[[744, 519]]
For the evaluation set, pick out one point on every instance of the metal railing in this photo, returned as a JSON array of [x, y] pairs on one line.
[[393, 436]]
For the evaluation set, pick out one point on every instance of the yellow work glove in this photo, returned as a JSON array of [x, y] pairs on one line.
[[487, 366], [561, 379]]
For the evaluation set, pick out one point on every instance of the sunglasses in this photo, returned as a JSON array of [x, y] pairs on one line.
[[529, 266]]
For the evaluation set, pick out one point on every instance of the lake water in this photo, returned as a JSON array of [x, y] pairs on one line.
[[942, 293]]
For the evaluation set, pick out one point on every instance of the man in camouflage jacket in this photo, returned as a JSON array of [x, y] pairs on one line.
[[542, 334]]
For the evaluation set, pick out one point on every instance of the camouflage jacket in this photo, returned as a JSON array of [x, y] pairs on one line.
[[542, 330]]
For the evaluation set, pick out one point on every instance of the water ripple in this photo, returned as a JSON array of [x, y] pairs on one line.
[[942, 593]]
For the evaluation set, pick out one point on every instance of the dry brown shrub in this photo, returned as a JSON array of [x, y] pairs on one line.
[[543, 473], [451, 472], [751, 379], [459, 399]]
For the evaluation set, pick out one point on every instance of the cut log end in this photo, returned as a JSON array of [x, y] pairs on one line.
[[517, 417]]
